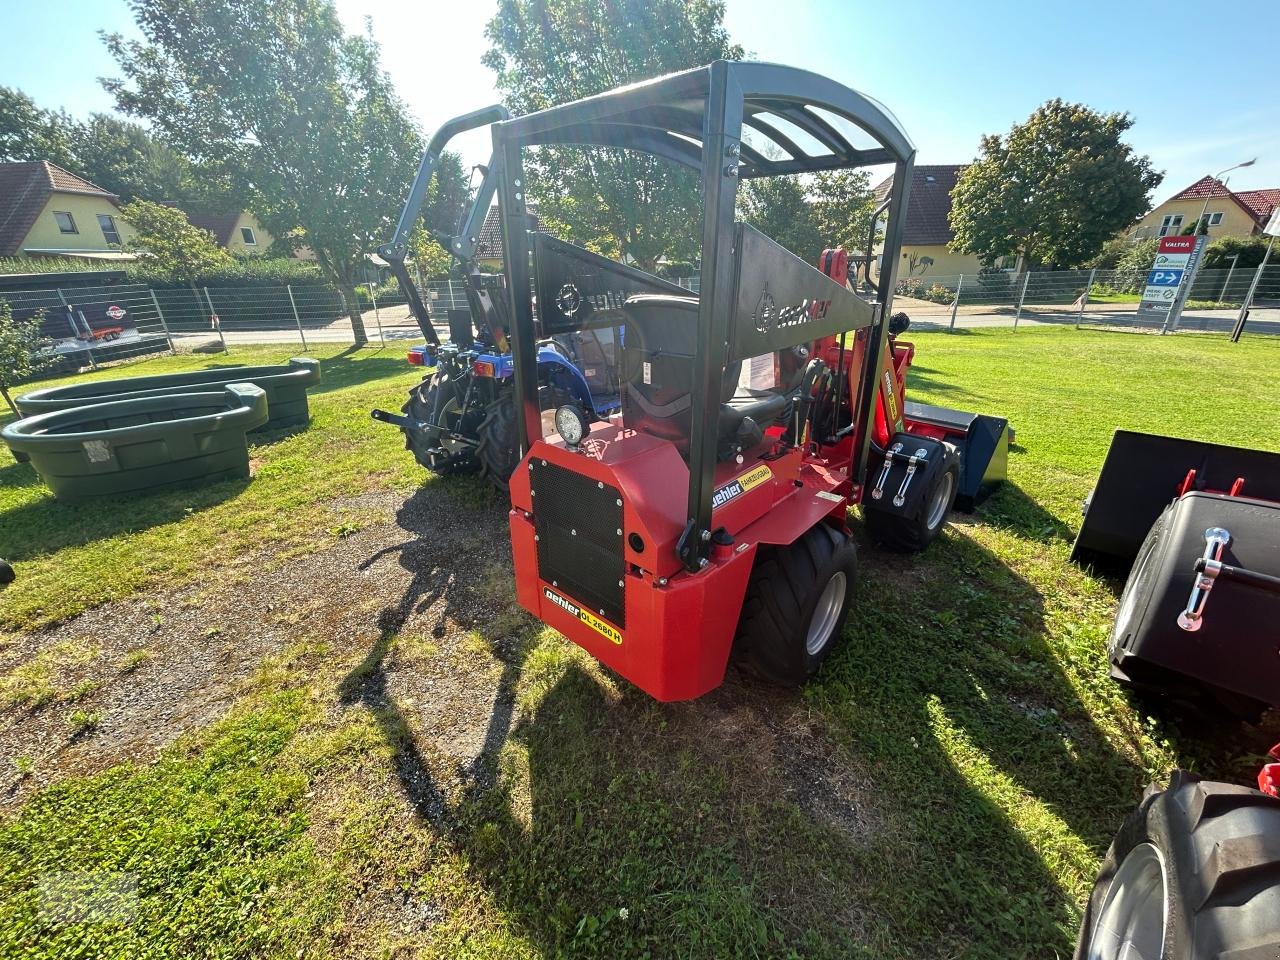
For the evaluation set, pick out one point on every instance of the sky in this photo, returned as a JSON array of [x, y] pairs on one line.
[[1194, 76]]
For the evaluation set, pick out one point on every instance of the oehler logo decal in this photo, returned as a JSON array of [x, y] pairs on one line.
[[606, 630], [740, 485]]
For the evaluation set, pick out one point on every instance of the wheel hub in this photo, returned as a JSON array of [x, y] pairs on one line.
[[1132, 920], [826, 613]]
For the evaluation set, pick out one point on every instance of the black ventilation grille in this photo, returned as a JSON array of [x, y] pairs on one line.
[[579, 526]]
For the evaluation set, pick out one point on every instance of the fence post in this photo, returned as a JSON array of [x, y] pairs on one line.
[[956, 302], [296, 319], [1227, 282], [1243, 315], [1021, 297], [376, 315], [155, 302], [450, 282], [215, 319], [1084, 297]]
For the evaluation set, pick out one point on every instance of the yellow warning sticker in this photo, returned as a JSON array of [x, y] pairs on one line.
[[891, 399], [740, 485], [606, 630]]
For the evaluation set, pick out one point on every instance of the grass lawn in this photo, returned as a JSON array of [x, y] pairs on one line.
[[945, 788]]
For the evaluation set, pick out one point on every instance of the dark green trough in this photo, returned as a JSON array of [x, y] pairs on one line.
[[285, 385], [134, 446]]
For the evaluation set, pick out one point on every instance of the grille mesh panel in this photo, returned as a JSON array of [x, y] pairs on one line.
[[578, 523]]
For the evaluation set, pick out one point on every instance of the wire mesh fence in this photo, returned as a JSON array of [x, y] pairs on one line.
[[89, 326]]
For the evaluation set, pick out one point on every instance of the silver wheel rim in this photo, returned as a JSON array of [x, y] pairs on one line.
[[941, 497], [1132, 919], [826, 613]]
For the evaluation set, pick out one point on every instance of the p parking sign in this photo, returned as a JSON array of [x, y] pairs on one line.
[[1171, 275]]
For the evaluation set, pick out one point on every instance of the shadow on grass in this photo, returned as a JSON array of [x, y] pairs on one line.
[[706, 829], [1010, 506]]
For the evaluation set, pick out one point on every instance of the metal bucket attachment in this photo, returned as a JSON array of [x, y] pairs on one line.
[[1144, 472], [983, 442]]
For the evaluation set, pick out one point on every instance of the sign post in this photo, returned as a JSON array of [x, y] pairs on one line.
[[1272, 230], [1170, 278]]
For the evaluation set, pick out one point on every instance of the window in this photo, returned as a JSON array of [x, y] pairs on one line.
[[66, 222], [109, 231], [1170, 224], [249, 239], [1215, 219]]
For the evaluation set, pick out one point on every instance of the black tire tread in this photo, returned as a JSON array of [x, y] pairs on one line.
[[497, 443]]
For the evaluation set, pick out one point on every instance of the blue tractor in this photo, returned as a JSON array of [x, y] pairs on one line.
[[461, 417]]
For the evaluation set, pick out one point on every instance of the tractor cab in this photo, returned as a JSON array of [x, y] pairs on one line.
[[710, 510]]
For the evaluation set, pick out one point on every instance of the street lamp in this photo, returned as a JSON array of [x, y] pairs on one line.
[[1207, 196]]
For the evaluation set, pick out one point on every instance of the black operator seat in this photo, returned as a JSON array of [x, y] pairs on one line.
[[660, 342]]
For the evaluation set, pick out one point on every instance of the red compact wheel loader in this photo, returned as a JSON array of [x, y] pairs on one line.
[[711, 511]]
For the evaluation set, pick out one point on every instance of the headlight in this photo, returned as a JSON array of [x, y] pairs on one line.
[[571, 424]]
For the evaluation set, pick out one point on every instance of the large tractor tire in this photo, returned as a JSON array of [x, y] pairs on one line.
[[421, 403], [796, 603], [498, 452], [1194, 874], [914, 533]]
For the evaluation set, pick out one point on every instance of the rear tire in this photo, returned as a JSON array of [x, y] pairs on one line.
[[912, 534], [1194, 873], [419, 406], [796, 603], [498, 449]]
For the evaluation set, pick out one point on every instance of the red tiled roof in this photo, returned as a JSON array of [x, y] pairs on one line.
[[1257, 203], [25, 186], [929, 204]]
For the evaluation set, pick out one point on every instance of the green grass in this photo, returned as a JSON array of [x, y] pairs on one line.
[[969, 756]]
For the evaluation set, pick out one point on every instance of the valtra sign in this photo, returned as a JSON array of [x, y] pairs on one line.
[[1169, 279]]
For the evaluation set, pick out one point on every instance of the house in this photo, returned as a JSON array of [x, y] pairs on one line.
[[927, 234], [1229, 213], [46, 211], [236, 231]]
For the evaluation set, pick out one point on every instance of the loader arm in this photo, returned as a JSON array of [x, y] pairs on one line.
[[463, 245]]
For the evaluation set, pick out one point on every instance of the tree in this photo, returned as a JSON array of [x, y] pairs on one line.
[[1054, 189], [169, 246], [29, 133], [844, 203], [780, 208], [126, 159], [295, 113], [1250, 250], [20, 354], [548, 52]]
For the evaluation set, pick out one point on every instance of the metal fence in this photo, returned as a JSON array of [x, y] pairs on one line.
[[94, 325]]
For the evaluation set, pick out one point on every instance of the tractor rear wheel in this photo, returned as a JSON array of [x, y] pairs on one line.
[[499, 448], [796, 603], [912, 534], [419, 406], [1193, 873]]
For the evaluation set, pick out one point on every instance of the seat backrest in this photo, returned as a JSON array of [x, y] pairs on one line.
[[660, 340]]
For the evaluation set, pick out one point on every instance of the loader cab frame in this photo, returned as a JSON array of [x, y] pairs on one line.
[[754, 297]]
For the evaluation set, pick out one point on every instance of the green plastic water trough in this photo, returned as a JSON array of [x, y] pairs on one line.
[[285, 385], [132, 446]]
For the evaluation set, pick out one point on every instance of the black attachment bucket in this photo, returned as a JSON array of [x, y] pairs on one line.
[[983, 442], [1143, 473]]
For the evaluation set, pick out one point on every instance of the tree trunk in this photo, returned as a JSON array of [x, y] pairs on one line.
[[4, 391], [352, 303]]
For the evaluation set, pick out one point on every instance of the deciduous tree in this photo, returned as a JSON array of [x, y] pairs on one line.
[[548, 52], [20, 354], [28, 132], [295, 112], [1054, 189], [169, 246]]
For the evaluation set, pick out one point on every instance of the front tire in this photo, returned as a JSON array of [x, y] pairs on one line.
[[796, 604], [913, 534], [1193, 874]]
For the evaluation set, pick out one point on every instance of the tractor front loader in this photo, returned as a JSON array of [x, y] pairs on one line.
[[710, 512], [461, 417]]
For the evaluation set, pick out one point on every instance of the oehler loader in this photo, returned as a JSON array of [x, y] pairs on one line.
[[711, 511], [461, 416]]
